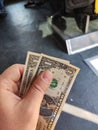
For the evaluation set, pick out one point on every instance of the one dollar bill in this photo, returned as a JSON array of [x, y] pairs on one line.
[[32, 62]]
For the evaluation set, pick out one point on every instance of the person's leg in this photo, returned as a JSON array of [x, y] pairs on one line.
[[1, 4], [3, 13]]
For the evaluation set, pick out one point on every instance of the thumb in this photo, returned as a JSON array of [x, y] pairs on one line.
[[36, 92]]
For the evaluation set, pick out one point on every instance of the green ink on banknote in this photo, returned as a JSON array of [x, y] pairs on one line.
[[54, 83]]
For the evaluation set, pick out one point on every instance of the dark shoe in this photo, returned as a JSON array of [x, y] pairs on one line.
[[29, 5], [32, 5], [59, 21], [82, 21], [3, 13], [39, 4], [94, 16]]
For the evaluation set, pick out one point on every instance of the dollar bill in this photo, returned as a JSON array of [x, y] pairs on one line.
[[63, 78], [58, 59], [32, 62], [64, 75]]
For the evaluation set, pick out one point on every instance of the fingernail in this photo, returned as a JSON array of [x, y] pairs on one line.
[[47, 76]]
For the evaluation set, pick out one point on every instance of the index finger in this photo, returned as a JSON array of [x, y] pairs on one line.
[[13, 73]]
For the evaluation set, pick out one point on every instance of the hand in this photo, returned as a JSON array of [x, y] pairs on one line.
[[17, 113]]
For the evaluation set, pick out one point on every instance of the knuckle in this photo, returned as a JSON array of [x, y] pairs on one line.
[[38, 88], [3, 82]]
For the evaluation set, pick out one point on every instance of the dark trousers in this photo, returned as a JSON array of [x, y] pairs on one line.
[[1, 4]]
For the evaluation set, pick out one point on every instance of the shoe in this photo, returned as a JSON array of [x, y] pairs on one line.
[[94, 16], [82, 21], [29, 5], [39, 4], [32, 4], [59, 21], [3, 13]]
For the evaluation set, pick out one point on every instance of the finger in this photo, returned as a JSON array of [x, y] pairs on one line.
[[14, 72], [11, 76], [36, 92]]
